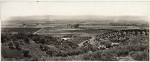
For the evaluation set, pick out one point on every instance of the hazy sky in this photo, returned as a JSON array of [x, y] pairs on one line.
[[9, 9]]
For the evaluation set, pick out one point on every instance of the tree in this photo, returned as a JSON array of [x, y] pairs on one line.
[[76, 25]]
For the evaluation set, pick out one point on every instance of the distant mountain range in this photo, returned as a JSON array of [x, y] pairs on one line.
[[81, 19]]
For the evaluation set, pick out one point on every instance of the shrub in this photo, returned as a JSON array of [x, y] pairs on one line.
[[100, 55], [93, 56], [140, 55]]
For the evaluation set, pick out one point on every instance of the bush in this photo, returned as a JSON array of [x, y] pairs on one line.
[[140, 55], [100, 56], [75, 52], [93, 56]]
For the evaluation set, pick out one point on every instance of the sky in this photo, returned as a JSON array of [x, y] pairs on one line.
[[11, 9]]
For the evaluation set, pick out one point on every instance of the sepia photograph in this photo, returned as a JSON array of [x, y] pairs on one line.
[[75, 30]]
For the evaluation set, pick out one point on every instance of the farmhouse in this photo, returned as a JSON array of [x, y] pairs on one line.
[[65, 38]]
